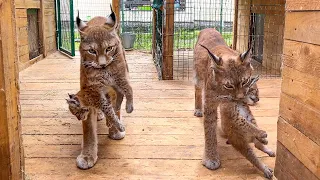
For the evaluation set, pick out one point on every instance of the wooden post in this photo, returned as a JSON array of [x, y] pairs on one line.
[[116, 9], [10, 147], [154, 31], [235, 24], [43, 31], [168, 32]]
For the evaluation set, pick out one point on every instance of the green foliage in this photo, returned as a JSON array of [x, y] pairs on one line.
[[183, 39]]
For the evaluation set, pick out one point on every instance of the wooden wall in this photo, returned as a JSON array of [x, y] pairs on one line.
[[298, 152], [273, 29], [11, 158], [47, 28]]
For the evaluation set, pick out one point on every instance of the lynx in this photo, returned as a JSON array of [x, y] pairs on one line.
[[240, 128], [103, 65], [218, 71]]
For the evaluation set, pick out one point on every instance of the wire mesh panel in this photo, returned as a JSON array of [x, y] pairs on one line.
[[88, 11], [66, 26], [261, 25], [191, 16], [136, 19]]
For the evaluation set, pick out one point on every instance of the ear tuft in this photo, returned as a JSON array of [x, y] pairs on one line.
[[81, 25], [216, 59], [246, 56]]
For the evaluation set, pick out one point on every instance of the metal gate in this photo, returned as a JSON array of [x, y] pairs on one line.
[[65, 23]]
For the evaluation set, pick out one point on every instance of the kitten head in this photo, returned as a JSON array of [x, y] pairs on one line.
[[76, 109], [252, 96], [99, 40], [231, 72]]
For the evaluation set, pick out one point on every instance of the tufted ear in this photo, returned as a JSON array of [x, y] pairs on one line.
[[81, 25], [111, 22], [246, 56], [254, 80], [216, 59]]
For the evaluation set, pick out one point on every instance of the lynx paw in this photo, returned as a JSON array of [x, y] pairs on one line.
[[268, 172], [86, 162], [100, 116], [211, 164], [117, 135], [198, 113], [129, 107]]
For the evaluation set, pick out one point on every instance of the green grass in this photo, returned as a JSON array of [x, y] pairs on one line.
[[183, 39]]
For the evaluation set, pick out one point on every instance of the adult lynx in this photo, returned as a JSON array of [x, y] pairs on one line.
[[218, 71], [103, 65]]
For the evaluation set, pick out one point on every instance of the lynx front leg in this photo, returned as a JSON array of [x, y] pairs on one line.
[[211, 157], [198, 102], [88, 156], [264, 148]]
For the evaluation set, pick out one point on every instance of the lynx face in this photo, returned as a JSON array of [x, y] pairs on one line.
[[99, 41], [232, 73], [76, 109], [253, 96]]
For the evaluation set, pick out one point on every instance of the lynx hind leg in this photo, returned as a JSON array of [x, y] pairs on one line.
[[198, 102], [264, 148], [247, 152]]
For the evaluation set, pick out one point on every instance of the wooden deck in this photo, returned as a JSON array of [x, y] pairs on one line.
[[164, 140]]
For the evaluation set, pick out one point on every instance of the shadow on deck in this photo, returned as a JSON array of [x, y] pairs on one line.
[[164, 140]]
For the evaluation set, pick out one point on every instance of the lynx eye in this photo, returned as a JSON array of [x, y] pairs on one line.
[[92, 51], [245, 82], [228, 86], [109, 48]]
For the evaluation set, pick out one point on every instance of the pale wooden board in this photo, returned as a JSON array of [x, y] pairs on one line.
[[302, 5], [289, 167], [301, 116], [303, 148], [162, 133], [303, 26]]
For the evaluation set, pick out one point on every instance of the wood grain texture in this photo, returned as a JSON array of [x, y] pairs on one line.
[[10, 152], [163, 138], [302, 57], [301, 116], [302, 5], [304, 149], [303, 27], [288, 167], [168, 33]]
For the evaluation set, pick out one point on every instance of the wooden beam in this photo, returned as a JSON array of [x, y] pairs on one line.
[[235, 24], [168, 32], [302, 5], [116, 9], [288, 167], [10, 147], [303, 148], [42, 28], [303, 26]]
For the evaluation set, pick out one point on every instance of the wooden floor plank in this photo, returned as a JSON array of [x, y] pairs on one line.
[[163, 138]]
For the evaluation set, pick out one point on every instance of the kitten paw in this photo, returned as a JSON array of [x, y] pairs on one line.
[[129, 108], [211, 164], [117, 135], [86, 161], [271, 153], [263, 140], [262, 134], [198, 113], [268, 172], [100, 116]]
